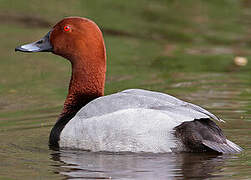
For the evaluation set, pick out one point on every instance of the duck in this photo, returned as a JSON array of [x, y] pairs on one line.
[[133, 120]]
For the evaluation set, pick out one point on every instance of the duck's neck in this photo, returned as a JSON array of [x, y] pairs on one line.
[[86, 84]]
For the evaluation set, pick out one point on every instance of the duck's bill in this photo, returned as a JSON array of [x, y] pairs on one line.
[[42, 45]]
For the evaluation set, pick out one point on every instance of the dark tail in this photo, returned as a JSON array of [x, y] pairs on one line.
[[225, 148], [203, 135]]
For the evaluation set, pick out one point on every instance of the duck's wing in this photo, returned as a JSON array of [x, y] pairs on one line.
[[138, 98], [172, 100]]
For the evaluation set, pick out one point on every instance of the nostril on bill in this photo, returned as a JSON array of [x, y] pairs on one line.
[[40, 42]]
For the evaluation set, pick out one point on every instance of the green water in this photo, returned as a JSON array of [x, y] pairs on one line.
[[24, 152], [185, 49]]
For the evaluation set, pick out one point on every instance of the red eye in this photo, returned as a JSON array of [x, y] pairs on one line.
[[67, 28]]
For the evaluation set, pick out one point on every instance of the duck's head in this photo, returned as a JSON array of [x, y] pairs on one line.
[[73, 38], [80, 41]]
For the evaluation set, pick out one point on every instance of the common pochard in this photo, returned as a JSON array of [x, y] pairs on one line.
[[132, 120]]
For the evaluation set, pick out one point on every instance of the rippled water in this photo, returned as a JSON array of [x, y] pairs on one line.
[[24, 153], [187, 54]]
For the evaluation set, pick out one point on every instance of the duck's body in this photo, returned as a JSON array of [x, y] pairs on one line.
[[132, 120]]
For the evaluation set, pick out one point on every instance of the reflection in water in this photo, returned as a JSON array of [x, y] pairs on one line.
[[88, 165]]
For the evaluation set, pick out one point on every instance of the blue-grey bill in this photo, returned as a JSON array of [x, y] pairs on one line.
[[42, 45]]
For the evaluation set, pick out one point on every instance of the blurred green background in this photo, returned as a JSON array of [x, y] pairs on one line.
[[184, 48], [150, 44]]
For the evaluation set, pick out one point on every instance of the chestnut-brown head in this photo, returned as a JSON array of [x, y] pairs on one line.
[[81, 42], [72, 37]]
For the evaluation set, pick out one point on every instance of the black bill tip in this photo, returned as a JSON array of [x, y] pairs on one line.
[[42, 45]]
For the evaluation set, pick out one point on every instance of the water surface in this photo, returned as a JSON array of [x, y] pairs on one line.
[[24, 152], [182, 48]]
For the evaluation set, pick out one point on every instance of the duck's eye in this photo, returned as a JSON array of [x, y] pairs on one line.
[[67, 28]]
